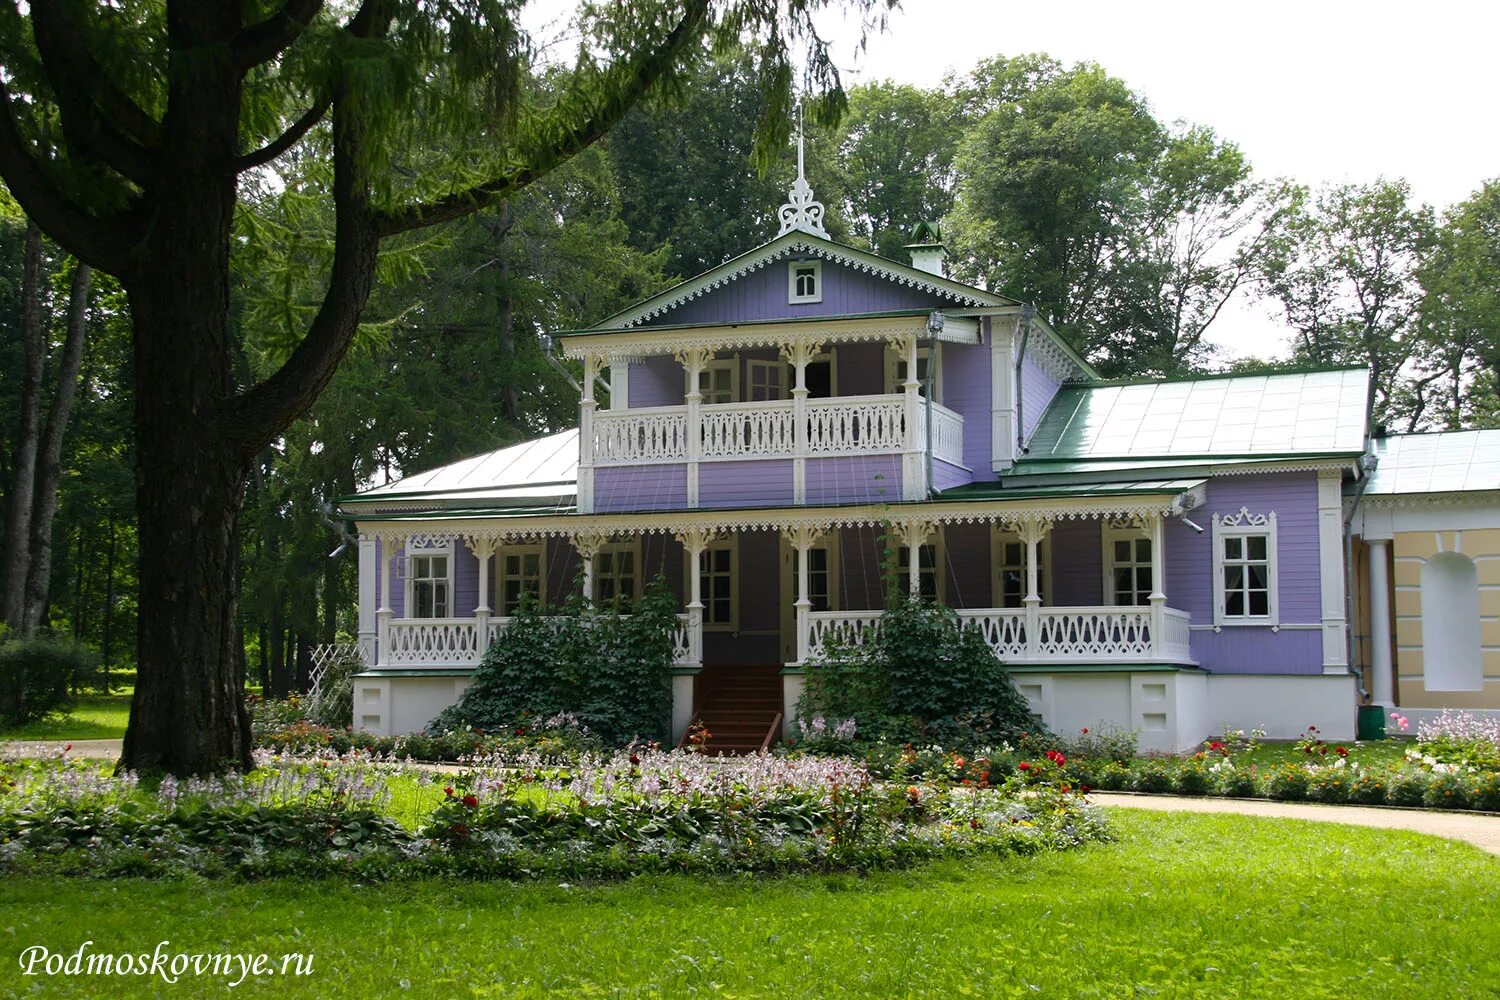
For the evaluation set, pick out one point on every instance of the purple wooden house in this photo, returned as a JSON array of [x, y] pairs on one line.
[[1165, 556]]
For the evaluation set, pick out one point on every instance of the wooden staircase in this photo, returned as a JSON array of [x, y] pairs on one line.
[[741, 709]]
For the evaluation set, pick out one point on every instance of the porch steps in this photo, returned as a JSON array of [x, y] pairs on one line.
[[740, 708]]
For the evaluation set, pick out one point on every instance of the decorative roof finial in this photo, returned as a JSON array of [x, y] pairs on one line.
[[801, 212]]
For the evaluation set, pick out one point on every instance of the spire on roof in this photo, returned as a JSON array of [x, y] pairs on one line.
[[801, 212]]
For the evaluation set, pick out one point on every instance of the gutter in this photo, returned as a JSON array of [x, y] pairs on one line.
[[1367, 465], [1024, 325]]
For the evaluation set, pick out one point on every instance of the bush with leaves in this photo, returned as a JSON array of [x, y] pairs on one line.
[[609, 669], [924, 678], [39, 673]]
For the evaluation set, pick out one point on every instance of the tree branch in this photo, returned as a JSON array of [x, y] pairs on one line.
[[101, 242], [286, 140], [263, 41], [642, 75]]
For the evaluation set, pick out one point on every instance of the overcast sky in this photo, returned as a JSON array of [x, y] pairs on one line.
[[1316, 90]]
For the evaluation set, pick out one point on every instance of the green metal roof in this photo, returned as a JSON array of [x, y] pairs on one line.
[[1444, 462], [1209, 420], [994, 491]]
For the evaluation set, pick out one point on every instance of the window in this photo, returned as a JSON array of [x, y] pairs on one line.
[[895, 373], [818, 591], [616, 573], [716, 580], [768, 380], [1009, 559], [927, 574], [1245, 569], [429, 581], [1127, 567], [805, 281], [718, 382], [520, 573]]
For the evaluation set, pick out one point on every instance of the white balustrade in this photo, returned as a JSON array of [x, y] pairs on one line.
[[856, 425], [947, 433], [1060, 635], [748, 430], [454, 642], [654, 434]]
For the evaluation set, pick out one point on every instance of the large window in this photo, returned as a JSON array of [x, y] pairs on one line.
[[768, 380], [895, 373], [929, 580], [617, 573], [720, 601], [719, 381], [1009, 559], [1245, 569], [521, 569], [429, 581], [1127, 567]]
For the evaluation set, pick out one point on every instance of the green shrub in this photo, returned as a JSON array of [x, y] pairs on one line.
[[1236, 783], [1368, 788], [1447, 791], [38, 674], [1406, 788], [1192, 779], [1111, 776], [1105, 741], [1329, 784], [1152, 776], [1287, 782], [1484, 793]]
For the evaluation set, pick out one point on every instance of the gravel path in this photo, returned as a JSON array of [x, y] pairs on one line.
[[1483, 831]]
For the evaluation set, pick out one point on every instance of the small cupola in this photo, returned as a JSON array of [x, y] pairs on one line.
[[927, 250]]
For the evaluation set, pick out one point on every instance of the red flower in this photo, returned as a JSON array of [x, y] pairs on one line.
[[67, 748], [973, 824], [1084, 789], [913, 794], [1056, 758], [1085, 729], [1323, 750], [1024, 765], [1341, 751], [958, 762], [471, 801], [448, 792], [635, 758], [521, 731]]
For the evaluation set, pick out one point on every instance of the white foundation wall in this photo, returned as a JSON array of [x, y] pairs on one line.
[[1284, 706], [395, 706]]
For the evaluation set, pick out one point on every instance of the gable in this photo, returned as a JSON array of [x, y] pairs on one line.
[[763, 295]]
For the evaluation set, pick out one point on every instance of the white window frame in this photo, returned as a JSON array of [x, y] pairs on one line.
[[732, 366], [786, 372], [895, 383], [1244, 524], [828, 543], [614, 549], [792, 296], [505, 551], [415, 550], [733, 546], [1118, 533], [1000, 537], [939, 564]]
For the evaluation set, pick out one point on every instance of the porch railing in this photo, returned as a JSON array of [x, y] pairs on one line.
[[1035, 635], [836, 426], [455, 642]]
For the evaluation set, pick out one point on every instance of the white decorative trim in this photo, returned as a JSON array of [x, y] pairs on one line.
[[1051, 358], [1489, 498], [1331, 570], [801, 213], [1243, 524], [427, 545]]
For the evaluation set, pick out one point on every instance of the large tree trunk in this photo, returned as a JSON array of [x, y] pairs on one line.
[[49, 462], [23, 477]]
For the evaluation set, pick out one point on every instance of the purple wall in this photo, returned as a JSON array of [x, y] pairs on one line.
[[967, 573], [657, 381], [1247, 650], [859, 569], [1037, 390], [762, 295], [760, 483], [872, 479], [640, 487], [1077, 565], [861, 369], [946, 477], [968, 391]]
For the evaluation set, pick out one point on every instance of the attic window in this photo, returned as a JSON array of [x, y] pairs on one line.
[[805, 281]]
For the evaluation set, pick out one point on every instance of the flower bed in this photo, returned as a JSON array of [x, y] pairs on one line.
[[518, 816]]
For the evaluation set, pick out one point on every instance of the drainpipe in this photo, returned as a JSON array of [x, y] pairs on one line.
[[1024, 325], [934, 324], [1367, 464]]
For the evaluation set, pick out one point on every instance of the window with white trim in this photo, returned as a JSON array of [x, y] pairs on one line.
[[1009, 559], [617, 573], [1127, 567], [716, 582], [804, 281], [1245, 569], [818, 578], [768, 380], [895, 373], [429, 581], [521, 572], [929, 580], [719, 381]]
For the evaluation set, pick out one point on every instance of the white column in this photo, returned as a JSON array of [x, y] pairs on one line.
[[369, 565], [799, 353], [483, 549], [1158, 596], [1331, 569], [1002, 395], [694, 541], [693, 361], [385, 612], [913, 467], [1031, 531], [1382, 676], [587, 545], [586, 436], [619, 385], [915, 534], [802, 540]]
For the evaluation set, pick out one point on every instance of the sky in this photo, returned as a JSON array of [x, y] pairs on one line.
[[1322, 91]]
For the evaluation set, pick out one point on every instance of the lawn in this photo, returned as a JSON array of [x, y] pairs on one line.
[[1179, 906], [92, 717]]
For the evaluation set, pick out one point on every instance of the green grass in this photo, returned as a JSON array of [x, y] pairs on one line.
[[1182, 906], [92, 717]]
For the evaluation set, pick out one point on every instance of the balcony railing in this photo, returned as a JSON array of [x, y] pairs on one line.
[[836, 426], [1039, 635], [435, 643]]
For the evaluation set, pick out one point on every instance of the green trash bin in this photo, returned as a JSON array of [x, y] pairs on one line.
[[1371, 723]]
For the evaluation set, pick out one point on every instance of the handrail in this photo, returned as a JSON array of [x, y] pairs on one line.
[[765, 744]]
